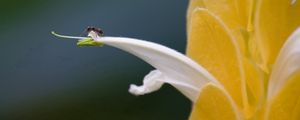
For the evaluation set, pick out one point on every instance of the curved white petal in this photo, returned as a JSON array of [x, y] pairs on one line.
[[293, 2], [287, 63], [152, 82], [172, 67]]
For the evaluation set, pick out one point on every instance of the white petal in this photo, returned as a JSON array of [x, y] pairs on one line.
[[293, 2], [287, 63], [172, 67], [152, 82]]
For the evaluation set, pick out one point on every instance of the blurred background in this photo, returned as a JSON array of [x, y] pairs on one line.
[[47, 78]]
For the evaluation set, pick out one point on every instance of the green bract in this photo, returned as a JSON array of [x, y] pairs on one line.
[[88, 42]]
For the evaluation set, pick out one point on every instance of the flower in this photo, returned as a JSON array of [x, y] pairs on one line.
[[242, 62]]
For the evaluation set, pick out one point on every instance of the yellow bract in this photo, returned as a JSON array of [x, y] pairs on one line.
[[208, 35], [286, 105], [210, 100]]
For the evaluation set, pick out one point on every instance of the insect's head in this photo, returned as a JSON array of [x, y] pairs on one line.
[[97, 30]]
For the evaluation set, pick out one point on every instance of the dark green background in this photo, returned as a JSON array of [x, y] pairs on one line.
[[47, 78]]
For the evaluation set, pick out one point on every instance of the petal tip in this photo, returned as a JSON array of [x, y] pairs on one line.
[[137, 90]]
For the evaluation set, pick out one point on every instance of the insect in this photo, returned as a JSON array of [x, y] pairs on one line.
[[97, 30]]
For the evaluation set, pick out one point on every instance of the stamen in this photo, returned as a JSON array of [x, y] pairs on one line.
[[65, 36]]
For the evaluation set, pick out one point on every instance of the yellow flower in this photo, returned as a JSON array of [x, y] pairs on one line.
[[243, 44], [242, 63]]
